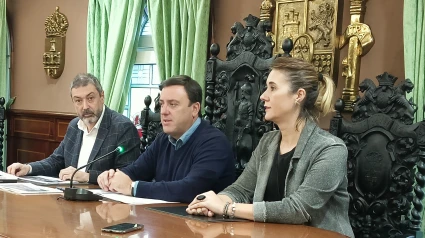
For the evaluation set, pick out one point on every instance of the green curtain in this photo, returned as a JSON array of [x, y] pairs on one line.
[[3, 49], [414, 51], [180, 36], [113, 31]]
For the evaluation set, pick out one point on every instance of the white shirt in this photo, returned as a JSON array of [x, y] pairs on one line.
[[89, 137], [88, 141]]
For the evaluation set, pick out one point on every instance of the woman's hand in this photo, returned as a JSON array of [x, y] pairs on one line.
[[206, 229], [209, 206]]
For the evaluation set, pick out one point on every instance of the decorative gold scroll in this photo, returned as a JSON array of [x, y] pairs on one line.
[[312, 26], [360, 40], [56, 26]]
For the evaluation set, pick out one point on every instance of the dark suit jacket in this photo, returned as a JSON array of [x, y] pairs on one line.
[[114, 130]]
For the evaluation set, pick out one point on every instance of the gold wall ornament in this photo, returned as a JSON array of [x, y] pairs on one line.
[[313, 26], [55, 26], [266, 10], [359, 38], [266, 15]]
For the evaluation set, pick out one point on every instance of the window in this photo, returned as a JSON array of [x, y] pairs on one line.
[[144, 78]]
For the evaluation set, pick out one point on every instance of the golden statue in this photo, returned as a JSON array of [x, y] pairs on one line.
[[360, 40]]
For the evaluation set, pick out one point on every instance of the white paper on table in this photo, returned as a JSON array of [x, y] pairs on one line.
[[45, 180], [28, 189], [126, 199], [6, 176]]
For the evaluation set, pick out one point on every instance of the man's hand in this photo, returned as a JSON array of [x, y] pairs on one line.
[[18, 169], [120, 183], [104, 179], [80, 176]]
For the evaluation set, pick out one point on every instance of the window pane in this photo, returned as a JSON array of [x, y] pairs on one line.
[[147, 29], [137, 99], [135, 74], [141, 74], [155, 77], [145, 74]]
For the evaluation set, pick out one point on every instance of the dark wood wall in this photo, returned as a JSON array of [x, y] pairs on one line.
[[34, 135]]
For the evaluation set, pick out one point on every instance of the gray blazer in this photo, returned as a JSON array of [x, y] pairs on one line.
[[114, 130], [316, 183]]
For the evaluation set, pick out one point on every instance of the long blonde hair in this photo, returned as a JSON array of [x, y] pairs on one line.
[[319, 88]]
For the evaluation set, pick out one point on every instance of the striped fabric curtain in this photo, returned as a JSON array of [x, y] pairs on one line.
[[414, 51], [180, 37], [113, 31]]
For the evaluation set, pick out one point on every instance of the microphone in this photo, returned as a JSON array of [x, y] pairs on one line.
[[119, 148], [80, 194]]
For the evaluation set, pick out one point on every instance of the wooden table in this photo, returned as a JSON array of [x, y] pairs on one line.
[[45, 216]]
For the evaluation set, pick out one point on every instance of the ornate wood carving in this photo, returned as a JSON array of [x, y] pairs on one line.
[[251, 38], [386, 159], [151, 122], [385, 99], [2, 119], [234, 86]]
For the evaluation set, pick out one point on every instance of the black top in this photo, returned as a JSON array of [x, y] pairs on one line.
[[275, 190]]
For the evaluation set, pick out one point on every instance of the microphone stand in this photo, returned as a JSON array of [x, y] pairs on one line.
[[82, 167], [80, 194]]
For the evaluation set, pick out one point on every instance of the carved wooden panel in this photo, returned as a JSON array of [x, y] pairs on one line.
[[34, 135], [62, 126], [26, 156], [32, 128], [234, 86], [386, 160], [233, 102], [313, 26]]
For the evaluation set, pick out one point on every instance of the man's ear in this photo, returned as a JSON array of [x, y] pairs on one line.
[[195, 109]]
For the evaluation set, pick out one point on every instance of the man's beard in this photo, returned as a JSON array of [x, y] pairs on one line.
[[89, 117]]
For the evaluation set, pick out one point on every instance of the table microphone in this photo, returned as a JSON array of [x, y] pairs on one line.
[[80, 194]]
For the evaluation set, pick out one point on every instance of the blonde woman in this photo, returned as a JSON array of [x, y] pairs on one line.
[[297, 174]]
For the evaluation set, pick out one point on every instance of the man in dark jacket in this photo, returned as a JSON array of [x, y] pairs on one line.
[[96, 131]]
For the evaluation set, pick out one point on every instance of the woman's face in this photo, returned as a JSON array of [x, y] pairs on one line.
[[279, 102]]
